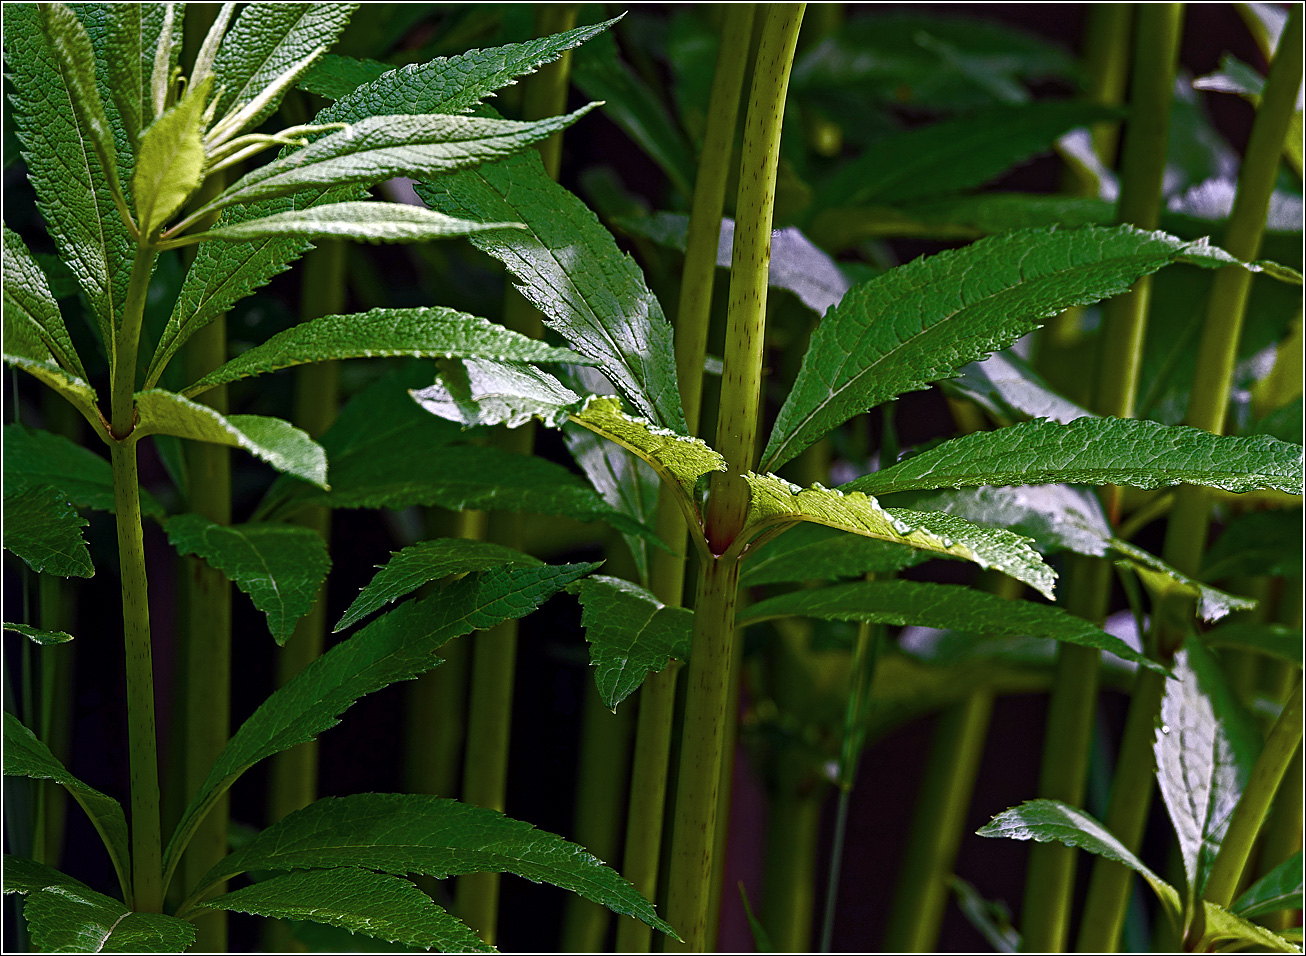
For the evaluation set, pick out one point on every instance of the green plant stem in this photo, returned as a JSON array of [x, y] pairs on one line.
[[709, 676], [793, 832], [1049, 882], [1282, 835], [1106, 61]]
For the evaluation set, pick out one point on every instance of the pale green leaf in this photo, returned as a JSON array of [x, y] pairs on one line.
[[377, 148], [1161, 579], [923, 321], [30, 311], [170, 161], [813, 552], [776, 504], [33, 457], [421, 563], [477, 392], [283, 446], [1052, 820], [943, 606], [1280, 889], [396, 646], [1206, 744], [1222, 925], [1273, 640], [26, 756], [422, 332], [373, 222], [360, 901], [568, 266], [630, 633], [280, 566], [38, 636], [1097, 451], [45, 530], [412, 833]]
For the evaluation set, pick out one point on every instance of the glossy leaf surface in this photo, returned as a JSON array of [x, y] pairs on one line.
[[45, 530], [1280, 889], [38, 636], [373, 222], [33, 457]]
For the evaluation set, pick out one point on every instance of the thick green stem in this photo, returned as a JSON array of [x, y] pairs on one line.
[[793, 831], [1281, 837]]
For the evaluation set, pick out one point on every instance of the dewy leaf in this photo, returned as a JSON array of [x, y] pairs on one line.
[[1280, 889], [421, 563], [630, 632], [45, 530], [943, 606], [413, 833], [421, 332], [568, 266], [170, 161], [1049, 820], [38, 636], [373, 222], [377, 148], [360, 901], [776, 504], [1097, 451], [26, 756], [396, 646], [1205, 747], [72, 189], [280, 566], [30, 311], [813, 552], [282, 445], [36, 457], [922, 321]]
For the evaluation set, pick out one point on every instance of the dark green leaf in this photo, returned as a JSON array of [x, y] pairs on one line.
[[30, 311], [630, 632], [38, 636], [1273, 640], [943, 606], [333, 77], [992, 919], [1280, 889], [360, 901], [33, 457], [1257, 542], [813, 552], [45, 530], [281, 567], [372, 222]]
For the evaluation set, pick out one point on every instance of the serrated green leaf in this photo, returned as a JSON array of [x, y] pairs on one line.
[[944, 606], [630, 633], [1220, 924], [479, 392], [396, 646], [923, 321], [77, 392], [22, 875], [1205, 747], [568, 266], [281, 567], [421, 332], [1280, 889], [813, 552], [377, 148], [1258, 542], [333, 76], [775, 504], [1273, 640], [33, 457], [955, 154], [1011, 392], [373, 222], [282, 445], [30, 311], [1052, 820], [67, 920], [360, 901], [26, 756], [170, 160], [265, 41], [38, 636], [414, 833], [45, 530], [1162, 579], [72, 189], [421, 563]]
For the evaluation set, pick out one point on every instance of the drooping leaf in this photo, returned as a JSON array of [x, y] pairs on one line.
[[1273, 640], [170, 160], [568, 266], [1205, 747], [77, 392], [923, 321], [26, 756], [944, 606], [1257, 542], [1280, 889], [775, 504], [1052, 820], [373, 222], [1161, 579], [630, 632], [991, 918], [30, 311], [397, 646], [422, 332], [1097, 451], [45, 530], [421, 563], [413, 833], [282, 445], [358, 900], [37, 457], [280, 566], [813, 552], [38, 636], [1011, 391]]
